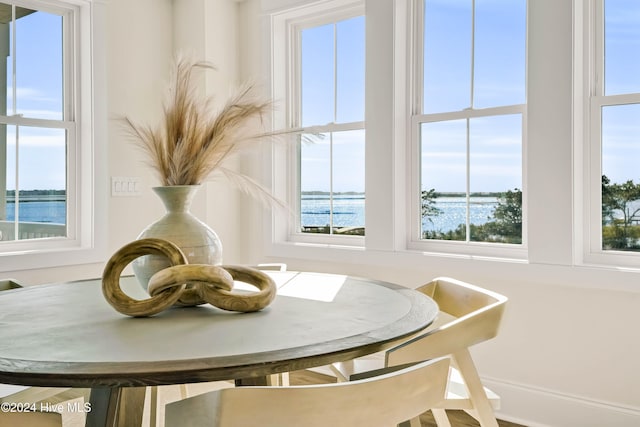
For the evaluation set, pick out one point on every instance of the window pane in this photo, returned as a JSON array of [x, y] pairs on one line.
[[38, 65], [444, 187], [491, 204], [621, 179], [332, 197], [622, 45], [496, 153], [7, 182], [348, 182], [499, 57], [41, 182], [317, 75], [447, 55], [496, 179], [350, 70], [315, 185]]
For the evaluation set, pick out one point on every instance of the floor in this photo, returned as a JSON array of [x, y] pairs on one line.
[[457, 418]]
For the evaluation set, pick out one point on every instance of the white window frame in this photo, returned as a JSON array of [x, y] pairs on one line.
[[591, 95], [416, 119], [85, 122], [285, 84]]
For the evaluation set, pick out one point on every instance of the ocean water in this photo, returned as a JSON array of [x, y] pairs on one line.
[[349, 211], [42, 211], [454, 212]]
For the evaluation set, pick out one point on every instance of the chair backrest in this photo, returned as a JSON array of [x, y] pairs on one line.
[[475, 314], [374, 402], [8, 284]]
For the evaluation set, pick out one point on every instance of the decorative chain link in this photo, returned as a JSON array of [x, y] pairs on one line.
[[210, 283]]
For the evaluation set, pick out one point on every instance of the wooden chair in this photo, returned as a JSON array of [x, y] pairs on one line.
[[374, 402], [468, 315]]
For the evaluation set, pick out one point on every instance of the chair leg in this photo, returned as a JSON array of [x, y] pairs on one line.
[[483, 411], [284, 379], [184, 392], [414, 422], [279, 380], [441, 418], [340, 376], [153, 406]]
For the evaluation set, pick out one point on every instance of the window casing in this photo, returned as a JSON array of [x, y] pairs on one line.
[[70, 137]]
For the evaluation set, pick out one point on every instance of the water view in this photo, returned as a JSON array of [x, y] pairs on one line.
[[43, 211], [315, 209], [349, 211]]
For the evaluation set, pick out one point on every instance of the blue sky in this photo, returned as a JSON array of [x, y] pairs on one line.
[[38, 95], [498, 75], [621, 123], [498, 80]]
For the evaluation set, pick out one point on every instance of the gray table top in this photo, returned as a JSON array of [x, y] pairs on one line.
[[66, 334]]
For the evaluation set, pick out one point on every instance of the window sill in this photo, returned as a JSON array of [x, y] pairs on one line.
[[510, 269], [59, 257]]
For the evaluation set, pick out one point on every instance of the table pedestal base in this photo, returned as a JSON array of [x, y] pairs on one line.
[[116, 407]]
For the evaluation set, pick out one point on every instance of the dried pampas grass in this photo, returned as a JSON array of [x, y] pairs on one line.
[[194, 139]]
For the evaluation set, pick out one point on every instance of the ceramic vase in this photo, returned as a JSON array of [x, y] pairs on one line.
[[197, 240]]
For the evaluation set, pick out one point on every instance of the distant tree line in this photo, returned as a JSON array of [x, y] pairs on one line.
[[12, 193], [620, 218]]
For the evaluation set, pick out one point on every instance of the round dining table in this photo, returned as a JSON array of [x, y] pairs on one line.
[[67, 335]]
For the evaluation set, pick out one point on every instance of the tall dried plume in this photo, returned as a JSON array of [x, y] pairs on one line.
[[195, 139]]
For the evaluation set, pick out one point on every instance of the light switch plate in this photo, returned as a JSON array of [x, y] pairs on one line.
[[125, 186]]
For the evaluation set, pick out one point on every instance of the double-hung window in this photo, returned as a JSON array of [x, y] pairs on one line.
[[49, 150], [325, 60], [468, 122], [614, 126]]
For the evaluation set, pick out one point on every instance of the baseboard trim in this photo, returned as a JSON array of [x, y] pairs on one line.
[[537, 407]]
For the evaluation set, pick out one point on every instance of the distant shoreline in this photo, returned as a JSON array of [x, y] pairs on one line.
[[337, 193], [437, 194], [27, 196]]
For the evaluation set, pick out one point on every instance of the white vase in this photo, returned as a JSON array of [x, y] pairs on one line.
[[197, 240]]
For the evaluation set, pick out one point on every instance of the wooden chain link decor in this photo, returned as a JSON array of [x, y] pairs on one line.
[[208, 283]]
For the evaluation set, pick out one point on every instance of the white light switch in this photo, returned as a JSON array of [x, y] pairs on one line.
[[125, 186]]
